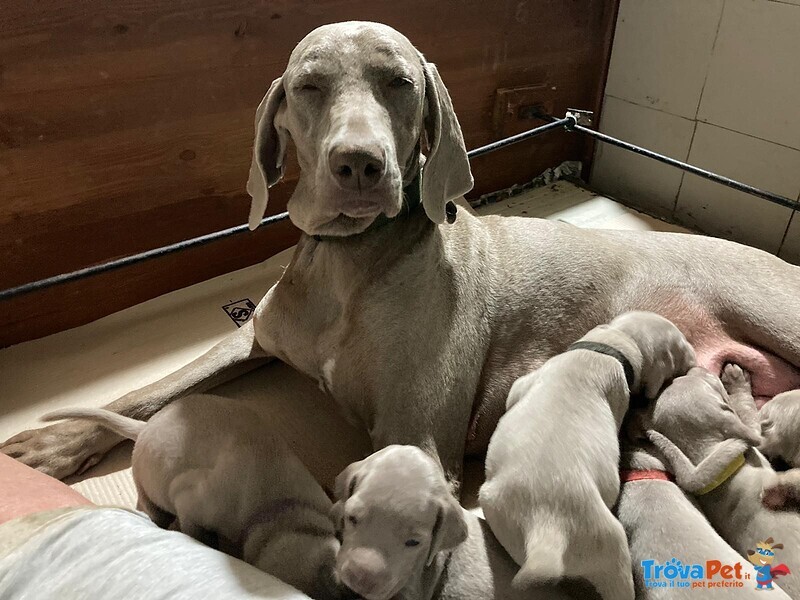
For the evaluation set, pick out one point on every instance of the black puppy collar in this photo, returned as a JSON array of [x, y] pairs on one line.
[[608, 351]]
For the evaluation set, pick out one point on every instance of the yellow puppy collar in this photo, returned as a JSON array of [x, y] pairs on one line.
[[726, 474]]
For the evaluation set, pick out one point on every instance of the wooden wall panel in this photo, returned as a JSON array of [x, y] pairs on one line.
[[127, 124]]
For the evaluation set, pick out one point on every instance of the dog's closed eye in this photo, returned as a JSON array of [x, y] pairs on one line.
[[399, 82], [353, 520], [411, 543]]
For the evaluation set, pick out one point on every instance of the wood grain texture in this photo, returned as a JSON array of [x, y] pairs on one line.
[[127, 124]]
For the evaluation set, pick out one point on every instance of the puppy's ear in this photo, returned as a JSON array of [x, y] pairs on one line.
[[346, 482], [446, 174], [337, 515], [344, 487], [449, 530], [269, 147]]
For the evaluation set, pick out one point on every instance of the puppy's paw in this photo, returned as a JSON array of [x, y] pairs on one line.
[[735, 379]]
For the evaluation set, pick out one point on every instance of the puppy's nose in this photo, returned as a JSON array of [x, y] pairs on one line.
[[357, 168], [364, 573]]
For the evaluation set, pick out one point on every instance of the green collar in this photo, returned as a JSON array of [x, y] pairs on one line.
[[412, 198]]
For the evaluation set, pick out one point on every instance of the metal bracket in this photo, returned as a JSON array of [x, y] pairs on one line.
[[583, 117]]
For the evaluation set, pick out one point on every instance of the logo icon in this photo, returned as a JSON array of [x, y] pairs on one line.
[[240, 311], [677, 574], [762, 558]]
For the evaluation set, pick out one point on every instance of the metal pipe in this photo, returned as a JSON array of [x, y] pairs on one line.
[[525, 135], [133, 259], [570, 123], [726, 181]]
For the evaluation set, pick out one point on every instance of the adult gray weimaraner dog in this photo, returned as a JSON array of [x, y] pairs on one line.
[[416, 320]]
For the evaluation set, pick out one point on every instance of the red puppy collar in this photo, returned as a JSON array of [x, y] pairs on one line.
[[643, 475]]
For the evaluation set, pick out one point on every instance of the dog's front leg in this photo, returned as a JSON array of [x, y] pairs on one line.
[[429, 424], [73, 446]]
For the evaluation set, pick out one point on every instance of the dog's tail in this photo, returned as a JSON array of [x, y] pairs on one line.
[[124, 426], [545, 548]]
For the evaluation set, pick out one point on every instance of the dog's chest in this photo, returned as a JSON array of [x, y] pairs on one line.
[[309, 327]]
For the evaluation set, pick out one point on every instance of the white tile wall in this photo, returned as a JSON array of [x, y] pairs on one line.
[[721, 211], [644, 182], [754, 78], [661, 53], [727, 72]]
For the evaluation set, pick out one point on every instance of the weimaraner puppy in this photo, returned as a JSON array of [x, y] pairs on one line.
[[404, 536], [417, 319], [552, 466], [212, 469], [780, 426], [779, 421], [664, 524], [696, 425]]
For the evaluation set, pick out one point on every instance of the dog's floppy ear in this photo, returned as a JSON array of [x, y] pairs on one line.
[[446, 174], [449, 530], [269, 148], [345, 486]]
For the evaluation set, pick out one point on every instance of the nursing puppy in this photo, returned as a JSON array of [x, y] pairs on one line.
[[780, 427], [662, 523], [404, 536], [552, 465], [711, 451], [209, 467]]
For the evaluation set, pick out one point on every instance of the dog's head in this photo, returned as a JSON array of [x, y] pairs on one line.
[[696, 414], [779, 418], [358, 101], [395, 513], [665, 352]]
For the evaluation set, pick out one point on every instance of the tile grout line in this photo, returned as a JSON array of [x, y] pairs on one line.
[[709, 123], [683, 173], [665, 112], [785, 233], [710, 60], [788, 227], [755, 137]]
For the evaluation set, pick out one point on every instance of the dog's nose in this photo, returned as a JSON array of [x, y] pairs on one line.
[[357, 168], [364, 573]]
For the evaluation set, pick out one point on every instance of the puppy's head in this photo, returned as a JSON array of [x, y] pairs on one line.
[[665, 352], [695, 413], [395, 513], [359, 102], [779, 420]]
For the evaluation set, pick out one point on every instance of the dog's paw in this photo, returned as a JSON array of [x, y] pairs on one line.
[[735, 379], [61, 450]]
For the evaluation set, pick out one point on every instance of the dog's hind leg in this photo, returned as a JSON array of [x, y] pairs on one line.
[[158, 515], [605, 561]]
